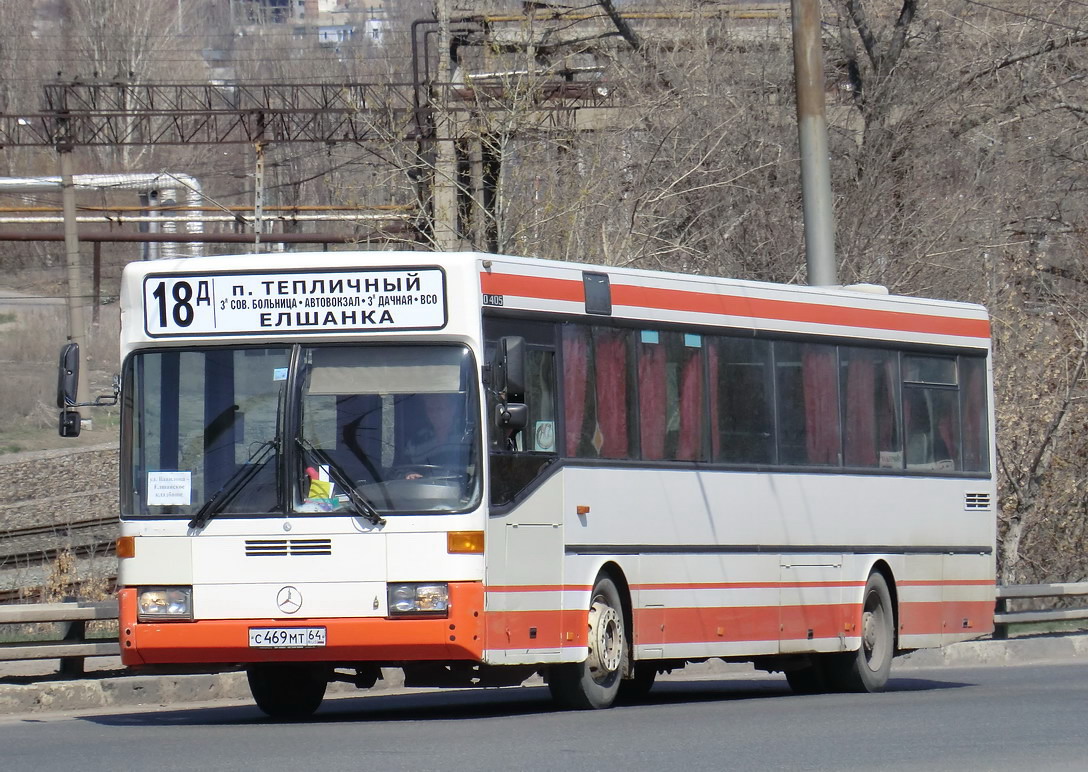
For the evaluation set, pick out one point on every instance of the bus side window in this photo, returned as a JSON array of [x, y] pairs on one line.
[[931, 413], [541, 390], [539, 435], [519, 460], [868, 390], [808, 404], [976, 427]]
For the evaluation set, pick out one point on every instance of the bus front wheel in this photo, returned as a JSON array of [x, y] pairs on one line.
[[868, 668], [287, 691], [595, 682]]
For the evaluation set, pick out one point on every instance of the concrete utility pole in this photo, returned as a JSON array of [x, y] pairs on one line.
[[77, 323], [444, 189], [258, 198], [819, 216]]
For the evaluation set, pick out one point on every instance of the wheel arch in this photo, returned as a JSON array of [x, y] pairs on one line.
[[615, 572], [882, 567]]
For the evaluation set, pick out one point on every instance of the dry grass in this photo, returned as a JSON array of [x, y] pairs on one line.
[[66, 582], [29, 349]]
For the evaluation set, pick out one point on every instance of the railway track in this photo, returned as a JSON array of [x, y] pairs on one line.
[[27, 554]]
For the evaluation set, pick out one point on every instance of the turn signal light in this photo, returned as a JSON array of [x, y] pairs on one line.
[[465, 542], [126, 547]]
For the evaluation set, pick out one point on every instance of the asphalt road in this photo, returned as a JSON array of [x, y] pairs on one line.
[[979, 718]]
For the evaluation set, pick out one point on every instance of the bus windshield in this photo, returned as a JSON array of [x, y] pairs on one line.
[[301, 430]]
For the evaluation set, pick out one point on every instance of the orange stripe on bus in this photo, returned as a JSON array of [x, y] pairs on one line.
[[737, 585], [536, 629], [796, 311], [538, 287], [538, 588], [737, 624], [542, 288], [946, 617], [744, 585]]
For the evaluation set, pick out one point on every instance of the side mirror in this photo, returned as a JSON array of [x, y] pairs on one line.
[[509, 368], [68, 377], [70, 423], [513, 417]]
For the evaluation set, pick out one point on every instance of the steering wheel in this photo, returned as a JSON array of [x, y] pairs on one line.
[[425, 472]]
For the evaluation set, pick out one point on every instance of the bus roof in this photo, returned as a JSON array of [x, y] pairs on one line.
[[543, 286]]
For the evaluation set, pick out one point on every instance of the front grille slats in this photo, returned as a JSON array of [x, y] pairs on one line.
[[287, 547]]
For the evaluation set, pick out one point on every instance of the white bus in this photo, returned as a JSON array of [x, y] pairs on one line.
[[478, 467]]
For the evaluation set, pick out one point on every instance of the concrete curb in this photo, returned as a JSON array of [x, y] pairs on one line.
[[1016, 651], [28, 695], [108, 690]]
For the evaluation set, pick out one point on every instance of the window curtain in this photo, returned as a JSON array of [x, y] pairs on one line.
[[610, 370], [713, 363], [859, 406], [575, 376], [651, 399], [890, 430], [821, 405], [690, 445]]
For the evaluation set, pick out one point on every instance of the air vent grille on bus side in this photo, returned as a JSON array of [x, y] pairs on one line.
[[976, 501], [285, 547]]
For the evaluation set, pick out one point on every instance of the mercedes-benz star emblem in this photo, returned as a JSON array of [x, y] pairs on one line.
[[289, 599]]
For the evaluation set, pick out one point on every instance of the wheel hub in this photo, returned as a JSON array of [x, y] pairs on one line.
[[605, 639], [868, 630]]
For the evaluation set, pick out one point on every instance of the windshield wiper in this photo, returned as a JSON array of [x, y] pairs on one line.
[[359, 504], [241, 477]]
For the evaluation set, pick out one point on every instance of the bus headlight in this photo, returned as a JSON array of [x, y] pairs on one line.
[[419, 598], [162, 603]]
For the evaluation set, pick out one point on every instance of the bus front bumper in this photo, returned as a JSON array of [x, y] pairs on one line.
[[456, 636]]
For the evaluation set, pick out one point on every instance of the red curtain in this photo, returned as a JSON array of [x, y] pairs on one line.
[[610, 370], [821, 405], [860, 406], [651, 399], [713, 359], [890, 429], [575, 375], [690, 445]]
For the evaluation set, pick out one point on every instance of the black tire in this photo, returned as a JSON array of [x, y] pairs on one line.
[[636, 688], [288, 691], [594, 683], [868, 668]]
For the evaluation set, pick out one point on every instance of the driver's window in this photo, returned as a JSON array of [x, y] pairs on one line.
[[384, 420]]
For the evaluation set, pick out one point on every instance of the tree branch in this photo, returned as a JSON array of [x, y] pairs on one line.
[[633, 40]]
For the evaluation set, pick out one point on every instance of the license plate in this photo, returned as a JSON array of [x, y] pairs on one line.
[[286, 637]]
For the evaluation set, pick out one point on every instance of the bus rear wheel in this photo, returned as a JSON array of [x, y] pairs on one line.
[[595, 682], [636, 688], [288, 690], [868, 668]]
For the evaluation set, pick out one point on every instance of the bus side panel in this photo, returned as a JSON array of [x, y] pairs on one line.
[[532, 613], [729, 562]]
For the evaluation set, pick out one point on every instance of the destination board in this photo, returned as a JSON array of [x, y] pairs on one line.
[[263, 303]]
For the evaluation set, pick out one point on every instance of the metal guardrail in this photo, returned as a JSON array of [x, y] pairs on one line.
[[72, 646], [1003, 617]]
